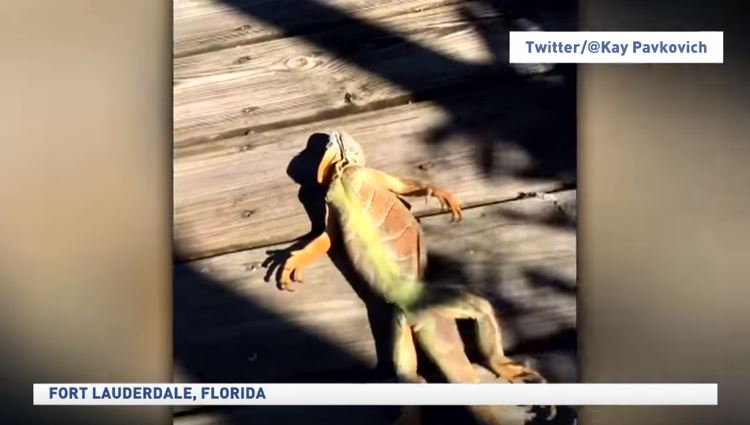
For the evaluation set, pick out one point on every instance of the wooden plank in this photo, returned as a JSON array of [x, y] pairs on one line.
[[203, 25], [350, 68], [237, 193], [233, 326]]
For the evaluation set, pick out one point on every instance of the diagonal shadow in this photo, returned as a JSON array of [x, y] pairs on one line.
[[224, 347], [215, 341], [442, 271], [535, 114], [219, 336], [539, 114]]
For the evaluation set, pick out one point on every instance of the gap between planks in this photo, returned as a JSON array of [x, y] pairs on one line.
[[225, 309], [217, 183], [561, 188], [298, 79]]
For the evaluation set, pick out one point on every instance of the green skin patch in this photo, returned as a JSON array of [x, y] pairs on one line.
[[404, 291]]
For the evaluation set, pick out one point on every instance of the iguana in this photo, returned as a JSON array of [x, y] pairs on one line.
[[384, 241]]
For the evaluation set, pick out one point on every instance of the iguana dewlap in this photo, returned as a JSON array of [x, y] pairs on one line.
[[384, 242]]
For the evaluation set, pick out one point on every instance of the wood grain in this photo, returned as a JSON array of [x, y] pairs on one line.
[[203, 25], [233, 326], [300, 79], [237, 193]]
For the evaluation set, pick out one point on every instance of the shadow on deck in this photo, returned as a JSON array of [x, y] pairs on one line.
[[540, 117]]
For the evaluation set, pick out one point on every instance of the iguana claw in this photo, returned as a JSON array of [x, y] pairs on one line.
[[516, 372], [448, 202], [299, 259], [525, 374], [291, 272]]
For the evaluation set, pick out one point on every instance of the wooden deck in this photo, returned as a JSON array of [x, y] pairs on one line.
[[426, 88]]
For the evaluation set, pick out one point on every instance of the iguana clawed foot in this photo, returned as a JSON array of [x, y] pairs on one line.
[[517, 373], [448, 202], [291, 272], [298, 260]]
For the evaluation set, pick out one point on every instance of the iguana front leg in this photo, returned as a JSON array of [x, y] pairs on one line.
[[301, 258], [409, 187]]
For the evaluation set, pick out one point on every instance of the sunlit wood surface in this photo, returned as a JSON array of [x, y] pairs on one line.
[[426, 88]]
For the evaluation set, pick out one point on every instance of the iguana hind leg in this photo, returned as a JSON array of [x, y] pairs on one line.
[[438, 335], [409, 187], [405, 363], [489, 339], [490, 343], [405, 351], [442, 343]]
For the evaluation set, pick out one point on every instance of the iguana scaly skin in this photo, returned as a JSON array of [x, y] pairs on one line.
[[384, 241]]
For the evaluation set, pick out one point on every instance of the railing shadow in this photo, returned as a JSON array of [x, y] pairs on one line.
[[442, 271], [539, 113], [217, 335]]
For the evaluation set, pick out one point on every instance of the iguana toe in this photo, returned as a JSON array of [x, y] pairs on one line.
[[552, 413], [290, 273], [285, 282], [448, 202], [518, 373], [529, 377]]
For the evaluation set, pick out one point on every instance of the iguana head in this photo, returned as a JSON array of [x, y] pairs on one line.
[[341, 150]]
